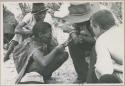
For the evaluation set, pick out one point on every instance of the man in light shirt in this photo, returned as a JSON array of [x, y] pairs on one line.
[[109, 47]]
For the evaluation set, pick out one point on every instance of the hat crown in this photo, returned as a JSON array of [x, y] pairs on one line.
[[78, 12], [80, 9], [38, 7]]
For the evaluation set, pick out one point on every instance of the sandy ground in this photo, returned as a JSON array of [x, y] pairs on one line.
[[64, 75]]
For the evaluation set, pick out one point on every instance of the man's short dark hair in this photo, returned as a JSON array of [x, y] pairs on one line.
[[104, 18], [41, 27]]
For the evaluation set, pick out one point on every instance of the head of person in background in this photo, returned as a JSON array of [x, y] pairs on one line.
[[39, 11], [25, 27], [102, 21]]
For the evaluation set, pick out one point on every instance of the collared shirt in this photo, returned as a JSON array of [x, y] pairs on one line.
[[108, 46]]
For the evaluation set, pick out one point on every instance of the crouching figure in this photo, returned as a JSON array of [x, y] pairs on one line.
[[39, 53]]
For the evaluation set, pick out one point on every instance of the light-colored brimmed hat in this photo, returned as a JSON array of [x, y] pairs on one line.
[[75, 13]]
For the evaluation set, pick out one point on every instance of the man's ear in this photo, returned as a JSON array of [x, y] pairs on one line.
[[98, 27], [97, 30], [40, 34]]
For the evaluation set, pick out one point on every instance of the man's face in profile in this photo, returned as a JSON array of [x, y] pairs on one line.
[[95, 28], [40, 16]]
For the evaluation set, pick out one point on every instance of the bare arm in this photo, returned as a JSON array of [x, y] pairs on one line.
[[118, 67], [19, 30], [118, 60], [45, 60]]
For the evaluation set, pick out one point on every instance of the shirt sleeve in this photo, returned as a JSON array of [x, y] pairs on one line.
[[104, 64], [27, 18]]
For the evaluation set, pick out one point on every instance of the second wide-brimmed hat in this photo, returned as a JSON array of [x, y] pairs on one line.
[[77, 12], [38, 7]]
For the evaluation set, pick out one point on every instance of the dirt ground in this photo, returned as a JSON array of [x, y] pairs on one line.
[[64, 75]]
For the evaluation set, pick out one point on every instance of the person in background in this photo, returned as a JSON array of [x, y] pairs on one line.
[[9, 24], [24, 28], [39, 53], [76, 22], [109, 47]]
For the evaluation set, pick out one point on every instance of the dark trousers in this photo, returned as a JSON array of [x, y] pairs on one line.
[[78, 57], [91, 78]]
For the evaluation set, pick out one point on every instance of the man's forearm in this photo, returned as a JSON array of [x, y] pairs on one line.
[[23, 32], [19, 29], [53, 54], [42, 60], [118, 67]]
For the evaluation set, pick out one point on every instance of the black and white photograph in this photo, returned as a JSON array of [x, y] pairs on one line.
[[62, 42]]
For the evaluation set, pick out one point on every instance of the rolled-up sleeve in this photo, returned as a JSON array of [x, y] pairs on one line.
[[104, 64], [27, 18]]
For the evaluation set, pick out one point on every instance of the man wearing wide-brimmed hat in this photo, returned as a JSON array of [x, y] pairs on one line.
[[78, 15], [24, 28]]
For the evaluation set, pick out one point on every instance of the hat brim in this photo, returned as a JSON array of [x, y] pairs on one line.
[[39, 11], [82, 18], [77, 19]]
